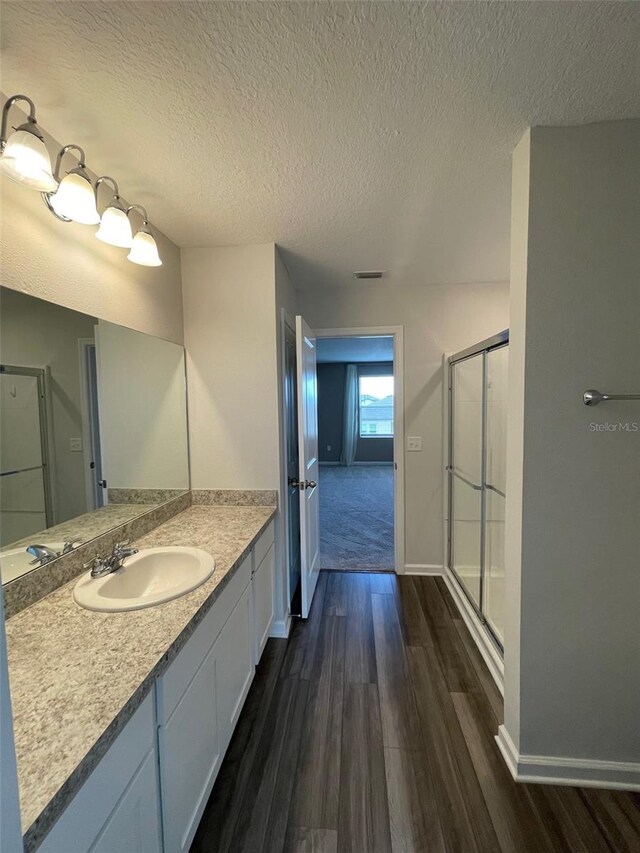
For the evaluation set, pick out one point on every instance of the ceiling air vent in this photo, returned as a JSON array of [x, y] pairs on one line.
[[370, 274]]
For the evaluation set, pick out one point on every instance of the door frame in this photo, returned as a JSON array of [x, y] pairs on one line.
[[285, 321], [90, 481], [397, 333]]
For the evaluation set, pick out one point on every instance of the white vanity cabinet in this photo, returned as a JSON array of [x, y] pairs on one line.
[[262, 586], [200, 697], [118, 807], [149, 791]]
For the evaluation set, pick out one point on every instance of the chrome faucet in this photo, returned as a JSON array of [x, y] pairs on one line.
[[120, 553], [101, 566], [42, 554]]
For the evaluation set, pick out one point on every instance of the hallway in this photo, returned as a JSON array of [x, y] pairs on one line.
[[371, 729], [356, 518]]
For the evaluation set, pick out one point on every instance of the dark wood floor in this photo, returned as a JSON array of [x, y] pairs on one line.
[[371, 730]]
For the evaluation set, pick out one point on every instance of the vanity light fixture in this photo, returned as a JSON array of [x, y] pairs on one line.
[[144, 250], [74, 200], [24, 156], [25, 159], [115, 227]]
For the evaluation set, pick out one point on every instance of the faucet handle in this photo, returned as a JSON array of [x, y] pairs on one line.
[[119, 545], [99, 566]]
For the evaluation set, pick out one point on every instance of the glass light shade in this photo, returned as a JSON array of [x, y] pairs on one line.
[[115, 228], [144, 250], [75, 200], [25, 159]]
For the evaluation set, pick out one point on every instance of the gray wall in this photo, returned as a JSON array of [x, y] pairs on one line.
[[572, 674], [330, 413], [36, 333], [435, 319]]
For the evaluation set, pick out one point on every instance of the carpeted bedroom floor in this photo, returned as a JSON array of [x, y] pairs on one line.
[[356, 517]]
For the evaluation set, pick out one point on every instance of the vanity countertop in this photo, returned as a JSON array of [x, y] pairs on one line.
[[77, 676]]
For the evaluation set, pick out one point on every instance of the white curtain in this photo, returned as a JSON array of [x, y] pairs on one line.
[[350, 420]]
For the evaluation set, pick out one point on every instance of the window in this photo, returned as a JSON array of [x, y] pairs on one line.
[[376, 406]]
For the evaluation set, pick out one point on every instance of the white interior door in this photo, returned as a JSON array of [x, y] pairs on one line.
[[308, 455]]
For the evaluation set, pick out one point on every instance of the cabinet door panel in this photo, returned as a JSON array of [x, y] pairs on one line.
[[234, 654], [134, 825], [87, 814], [263, 583], [190, 755], [174, 682]]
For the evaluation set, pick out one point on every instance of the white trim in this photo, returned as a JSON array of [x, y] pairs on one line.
[[11, 833], [580, 772], [480, 636], [426, 569], [280, 627], [354, 464], [285, 320], [89, 474], [397, 333]]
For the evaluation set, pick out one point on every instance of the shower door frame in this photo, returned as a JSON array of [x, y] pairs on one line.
[[39, 375], [480, 349]]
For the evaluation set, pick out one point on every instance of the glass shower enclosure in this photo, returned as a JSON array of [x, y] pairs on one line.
[[476, 476], [25, 491]]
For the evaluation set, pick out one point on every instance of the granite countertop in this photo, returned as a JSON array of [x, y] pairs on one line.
[[77, 676], [84, 527]]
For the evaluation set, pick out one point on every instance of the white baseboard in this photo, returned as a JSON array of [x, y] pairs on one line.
[[280, 627], [427, 569], [487, 649], [575, 772], [357, 464]]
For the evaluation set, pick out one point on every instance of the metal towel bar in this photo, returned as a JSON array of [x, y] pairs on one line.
[[592, 397]]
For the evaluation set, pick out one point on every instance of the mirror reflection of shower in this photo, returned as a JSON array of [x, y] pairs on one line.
[[25, 488]]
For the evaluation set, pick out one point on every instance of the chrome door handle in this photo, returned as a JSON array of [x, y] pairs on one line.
[[293, 481], [310, 484]]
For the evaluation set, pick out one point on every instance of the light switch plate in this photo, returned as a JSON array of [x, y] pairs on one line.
[[75, 445], [414, 442]]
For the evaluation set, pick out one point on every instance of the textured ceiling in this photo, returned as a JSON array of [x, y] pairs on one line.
[[354, 349], [355, 135]]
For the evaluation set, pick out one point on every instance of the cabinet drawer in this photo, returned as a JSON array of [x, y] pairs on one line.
[[261, 548], [80, 824], [173, 683]]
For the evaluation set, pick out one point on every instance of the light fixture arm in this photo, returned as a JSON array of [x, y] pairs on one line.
[[5, 117], [141, 209], [114, 186], [81, 164]]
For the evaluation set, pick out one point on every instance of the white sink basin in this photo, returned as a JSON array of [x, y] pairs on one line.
[[150, 577], [15, 561]]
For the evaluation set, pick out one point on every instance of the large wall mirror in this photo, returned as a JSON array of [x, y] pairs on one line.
[[93, 428]]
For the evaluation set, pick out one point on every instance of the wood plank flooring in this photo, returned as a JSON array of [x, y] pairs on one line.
[[371, 731]]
